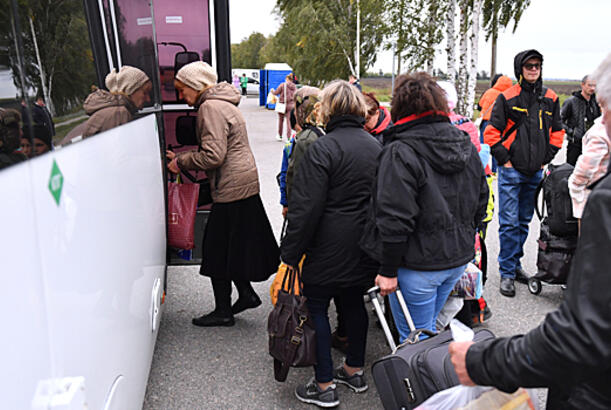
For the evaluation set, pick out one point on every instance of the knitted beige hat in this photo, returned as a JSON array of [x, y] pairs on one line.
[[197, 75], [126, 81]]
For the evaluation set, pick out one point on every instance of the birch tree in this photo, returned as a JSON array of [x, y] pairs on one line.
[[463, 57], [451, 40], [470, 99], [425, 33], [64, 53], [397, 29]]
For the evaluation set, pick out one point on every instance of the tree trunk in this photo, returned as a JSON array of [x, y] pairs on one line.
[[451, 48], [477, 7], [357, 56], [463, 59], [41, 71], [493, 60], [429, 64], [495, 34], [399, 63]]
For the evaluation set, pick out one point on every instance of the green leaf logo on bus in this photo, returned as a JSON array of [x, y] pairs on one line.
[[56, 182]]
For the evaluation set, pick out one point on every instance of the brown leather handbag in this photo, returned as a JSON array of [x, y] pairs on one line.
[[292, 338]]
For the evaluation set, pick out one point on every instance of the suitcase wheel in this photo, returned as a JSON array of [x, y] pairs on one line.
[[534, 286]]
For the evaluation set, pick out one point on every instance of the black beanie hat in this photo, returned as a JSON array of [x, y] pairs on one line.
[[42, 133]]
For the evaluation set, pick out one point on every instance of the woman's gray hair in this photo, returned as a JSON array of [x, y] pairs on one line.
[[602, 76], [341, 98]]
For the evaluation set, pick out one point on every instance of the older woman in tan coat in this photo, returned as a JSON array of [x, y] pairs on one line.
[[239, 244], [128, 91]]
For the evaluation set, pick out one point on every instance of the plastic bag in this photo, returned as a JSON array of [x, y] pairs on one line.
[[469, 286], [279, 278], [480, 398], [271, 98]]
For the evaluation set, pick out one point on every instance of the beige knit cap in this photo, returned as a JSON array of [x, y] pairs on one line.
[[126, 81], [197, 75]]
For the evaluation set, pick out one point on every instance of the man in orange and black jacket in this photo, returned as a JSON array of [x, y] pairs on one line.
[[525, 133]]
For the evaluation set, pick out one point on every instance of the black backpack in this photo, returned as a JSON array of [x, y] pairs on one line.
[[557, 201]]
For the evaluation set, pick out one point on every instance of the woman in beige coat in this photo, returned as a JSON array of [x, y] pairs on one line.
[[239, 244], [128, 91]]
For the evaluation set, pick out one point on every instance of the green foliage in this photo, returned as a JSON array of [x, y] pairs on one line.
[[417, 27], [318, 38], [63, 43], [247, 54], [499, 13]]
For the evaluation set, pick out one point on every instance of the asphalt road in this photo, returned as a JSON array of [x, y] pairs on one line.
[[229, 368]]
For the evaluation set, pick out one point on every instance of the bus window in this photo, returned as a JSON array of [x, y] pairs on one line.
[[41, 107], [134, 25], [182, 26]]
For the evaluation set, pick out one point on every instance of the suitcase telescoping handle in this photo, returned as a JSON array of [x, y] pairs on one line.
[[373, 296]]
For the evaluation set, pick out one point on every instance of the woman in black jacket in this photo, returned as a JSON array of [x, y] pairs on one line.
[[327, 213], [430, 196]]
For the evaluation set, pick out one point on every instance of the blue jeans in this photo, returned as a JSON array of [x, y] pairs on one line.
[[516, 208], [425, 293], [354, 315]]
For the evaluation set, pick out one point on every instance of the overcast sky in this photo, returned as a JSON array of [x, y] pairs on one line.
[[573, 35]]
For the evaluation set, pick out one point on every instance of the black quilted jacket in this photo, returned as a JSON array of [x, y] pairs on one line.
[[574, 115]]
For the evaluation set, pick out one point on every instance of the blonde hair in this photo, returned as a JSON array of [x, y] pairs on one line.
[[199, 92], [341, 98]]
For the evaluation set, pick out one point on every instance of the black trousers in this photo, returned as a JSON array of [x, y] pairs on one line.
[[355, 319], [573, 151], [222, 294]]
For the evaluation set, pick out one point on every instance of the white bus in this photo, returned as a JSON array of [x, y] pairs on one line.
[[83, 239]]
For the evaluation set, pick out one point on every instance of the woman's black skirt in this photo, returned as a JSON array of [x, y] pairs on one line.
[[239, 243]]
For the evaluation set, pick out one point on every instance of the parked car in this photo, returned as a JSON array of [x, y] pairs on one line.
[[253, 87]]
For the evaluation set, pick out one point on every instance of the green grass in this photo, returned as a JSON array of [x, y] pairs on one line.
[[68, 116], [382, 94], [61, 131]]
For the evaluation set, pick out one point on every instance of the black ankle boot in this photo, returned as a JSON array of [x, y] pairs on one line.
[[245, 302], [214, 318]]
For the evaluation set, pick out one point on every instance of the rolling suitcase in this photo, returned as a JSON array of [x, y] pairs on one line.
[[415, 370]]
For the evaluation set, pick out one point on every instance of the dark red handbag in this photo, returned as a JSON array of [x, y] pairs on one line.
[[182, 206]]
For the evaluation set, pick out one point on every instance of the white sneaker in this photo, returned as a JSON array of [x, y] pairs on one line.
[[279, 138]]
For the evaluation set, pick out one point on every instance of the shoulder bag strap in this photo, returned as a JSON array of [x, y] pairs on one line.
[[488, 110], [522, 118], [541, 210]]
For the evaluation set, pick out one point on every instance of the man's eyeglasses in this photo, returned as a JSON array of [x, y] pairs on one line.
[[534, 66]]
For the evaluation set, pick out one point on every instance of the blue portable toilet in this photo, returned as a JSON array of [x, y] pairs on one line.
[[270, 77]]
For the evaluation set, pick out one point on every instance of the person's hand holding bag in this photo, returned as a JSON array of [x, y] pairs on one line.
[[173, 164], [458, 355]]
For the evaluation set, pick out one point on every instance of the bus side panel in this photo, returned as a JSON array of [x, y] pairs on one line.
[[24, 345], [102, 250]]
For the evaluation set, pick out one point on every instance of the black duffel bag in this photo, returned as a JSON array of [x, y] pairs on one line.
[[554, 256], [557, 201]]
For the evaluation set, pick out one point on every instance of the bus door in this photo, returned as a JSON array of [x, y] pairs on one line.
[[159, 37]]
